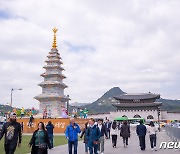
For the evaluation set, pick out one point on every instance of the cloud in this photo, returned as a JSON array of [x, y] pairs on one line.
[[78, 48], [130, 44]]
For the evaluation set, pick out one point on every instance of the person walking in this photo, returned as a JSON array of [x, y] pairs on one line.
[[40, 140], [141, 132], [33, 111], [81, 113], [84, 133], [125, 133], [49, 128], [85, 112], [108, 128], [30, 120], [152, 130], [119, 125], [45, 113], [22, 112], [71, 133], [49, 114], [103, 132], [93, 136], [13, 135], [22, 127], [114, 134]]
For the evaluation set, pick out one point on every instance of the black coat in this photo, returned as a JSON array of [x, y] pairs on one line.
[[84, 133], [103, 130], [32, 141], [125, 131], [108, 126]]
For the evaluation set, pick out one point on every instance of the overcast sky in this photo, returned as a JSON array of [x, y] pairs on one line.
[[132, 44]]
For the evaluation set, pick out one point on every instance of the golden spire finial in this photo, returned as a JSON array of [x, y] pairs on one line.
[[54, 41]]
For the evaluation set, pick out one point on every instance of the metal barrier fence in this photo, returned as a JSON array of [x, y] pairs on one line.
[[173, 132]]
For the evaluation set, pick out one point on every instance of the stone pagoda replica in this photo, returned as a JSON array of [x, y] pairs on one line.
[[52, 100]]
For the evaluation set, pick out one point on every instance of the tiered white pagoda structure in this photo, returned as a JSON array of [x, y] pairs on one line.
[[52, 98]]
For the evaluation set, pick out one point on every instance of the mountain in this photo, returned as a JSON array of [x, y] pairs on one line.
[[104, 103], [4, 109], [170, 105], [78, 104]]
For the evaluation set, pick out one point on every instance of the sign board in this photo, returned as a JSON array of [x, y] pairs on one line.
[[59, 124]]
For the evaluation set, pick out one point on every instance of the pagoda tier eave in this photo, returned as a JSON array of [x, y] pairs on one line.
[[48, 98], [52, 85], [55, 66], [53, 50], [53, 75], [54, 53], [54, 60], [47, 84], [52, 56]]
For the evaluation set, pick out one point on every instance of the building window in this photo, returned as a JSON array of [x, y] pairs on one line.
[[137, 116], [136, 100], [150, 117]]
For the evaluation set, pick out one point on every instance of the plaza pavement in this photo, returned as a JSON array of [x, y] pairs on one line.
[[133, 147]]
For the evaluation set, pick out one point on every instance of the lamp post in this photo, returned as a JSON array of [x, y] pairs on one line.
[[159, 118], [12, 93], [68, 105]]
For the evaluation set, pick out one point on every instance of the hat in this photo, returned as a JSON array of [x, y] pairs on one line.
[[12, 114]]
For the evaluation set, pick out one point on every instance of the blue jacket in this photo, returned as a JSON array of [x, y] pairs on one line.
[[50, 128], [93, 134], [141, 130], [72, 132]]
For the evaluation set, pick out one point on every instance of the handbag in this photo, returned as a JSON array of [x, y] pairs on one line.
[[42, 146], [95, 142]]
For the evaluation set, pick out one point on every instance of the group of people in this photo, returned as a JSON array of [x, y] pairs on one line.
[[91, 133], [41, 140], [24, 113], [142, 130], [83, 113], [95, 134], [47, 113]]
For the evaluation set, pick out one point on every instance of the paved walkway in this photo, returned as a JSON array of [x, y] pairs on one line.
[[133, 147]]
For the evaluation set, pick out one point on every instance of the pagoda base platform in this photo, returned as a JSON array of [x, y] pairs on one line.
[[55, 108]]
